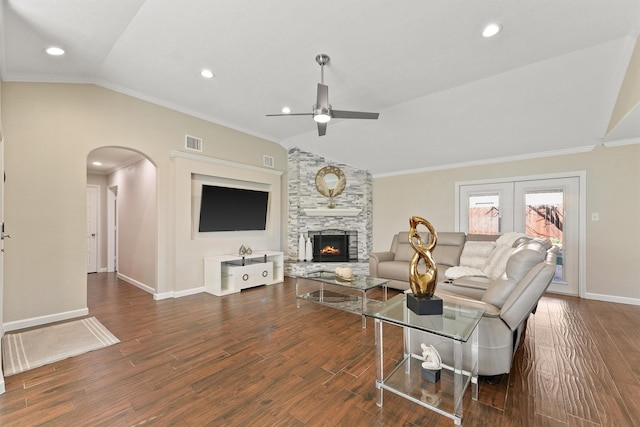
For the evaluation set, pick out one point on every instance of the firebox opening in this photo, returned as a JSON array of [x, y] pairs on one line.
[[330, 250], [333, 245]]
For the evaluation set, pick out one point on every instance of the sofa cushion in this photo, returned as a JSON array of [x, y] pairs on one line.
[[482, 237], [475, 254], [447, 255], [394, 270], [449, 248], [404, 252]]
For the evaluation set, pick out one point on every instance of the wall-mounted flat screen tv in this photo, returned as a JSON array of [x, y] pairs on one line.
[[232, 209]]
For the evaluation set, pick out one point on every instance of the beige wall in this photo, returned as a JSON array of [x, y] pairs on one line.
[[613, 190], [49, 129], [137, 222], [190, 245]]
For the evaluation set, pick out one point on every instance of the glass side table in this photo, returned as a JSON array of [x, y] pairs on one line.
[[459, 324]]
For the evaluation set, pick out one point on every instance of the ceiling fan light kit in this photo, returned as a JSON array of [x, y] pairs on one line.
[[322, 111], [321, 115]]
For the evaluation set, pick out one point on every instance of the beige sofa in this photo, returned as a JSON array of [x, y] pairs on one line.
[[394, 263], [507, 303], [507, 298]]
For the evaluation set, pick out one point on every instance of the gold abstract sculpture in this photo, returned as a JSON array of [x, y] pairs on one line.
[[423, 284]]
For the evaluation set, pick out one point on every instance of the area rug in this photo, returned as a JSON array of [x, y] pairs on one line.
[[38, 347]]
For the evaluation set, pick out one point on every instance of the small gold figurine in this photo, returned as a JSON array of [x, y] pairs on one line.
[[423, 285]]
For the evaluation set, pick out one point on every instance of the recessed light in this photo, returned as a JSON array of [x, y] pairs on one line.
[[54, 51], [96, 163], [207, 74], [491, 30], [286, 110]]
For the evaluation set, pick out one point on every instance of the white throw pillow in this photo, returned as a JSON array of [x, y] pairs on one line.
[[456, 272], [497, 261], [508, 239], [475, 254]]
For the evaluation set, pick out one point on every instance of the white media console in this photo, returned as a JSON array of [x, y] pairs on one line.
[[228, 274]]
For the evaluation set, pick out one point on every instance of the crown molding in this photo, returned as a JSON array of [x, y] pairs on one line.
[[574, 150], [621, 142]]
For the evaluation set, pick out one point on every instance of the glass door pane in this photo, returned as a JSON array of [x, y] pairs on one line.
[[484, 214], [550, 208], [544, 217], [486, 208]]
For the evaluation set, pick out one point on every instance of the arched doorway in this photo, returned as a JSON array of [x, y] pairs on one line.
[[122, 228]]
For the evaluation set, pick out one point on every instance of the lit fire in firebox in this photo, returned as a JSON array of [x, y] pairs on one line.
[[330, 250]]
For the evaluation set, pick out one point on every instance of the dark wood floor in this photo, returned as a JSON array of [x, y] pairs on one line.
[[254, 359]]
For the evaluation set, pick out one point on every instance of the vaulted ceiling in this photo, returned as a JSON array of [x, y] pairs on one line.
[[548, 82]]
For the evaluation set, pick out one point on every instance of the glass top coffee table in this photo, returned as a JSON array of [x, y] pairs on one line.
[[324, 287], [458, 325]]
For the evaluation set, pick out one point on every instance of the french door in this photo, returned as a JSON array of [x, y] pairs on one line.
[[537, 206]]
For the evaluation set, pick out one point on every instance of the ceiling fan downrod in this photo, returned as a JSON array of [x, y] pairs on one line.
[[322, 59]]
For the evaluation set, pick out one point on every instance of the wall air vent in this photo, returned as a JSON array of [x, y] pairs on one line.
[[268, 161], [192, 143]]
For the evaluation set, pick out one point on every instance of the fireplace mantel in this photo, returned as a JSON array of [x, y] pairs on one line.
[[332, 212]]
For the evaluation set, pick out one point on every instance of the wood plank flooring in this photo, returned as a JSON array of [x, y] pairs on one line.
[[254, 359]]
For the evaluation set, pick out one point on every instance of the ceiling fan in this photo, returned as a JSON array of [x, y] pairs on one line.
[[322, 111]]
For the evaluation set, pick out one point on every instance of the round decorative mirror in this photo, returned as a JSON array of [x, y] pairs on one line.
[[330, 182]]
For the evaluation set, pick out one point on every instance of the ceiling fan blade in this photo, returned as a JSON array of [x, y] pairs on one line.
[[339, 114], [322, 101], [290, 114], [322, 129]]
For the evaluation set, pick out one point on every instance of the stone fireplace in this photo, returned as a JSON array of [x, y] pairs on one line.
[[309, 215]]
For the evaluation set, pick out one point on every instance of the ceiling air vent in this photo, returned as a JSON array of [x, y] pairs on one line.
[[268, 161], [192, 143]]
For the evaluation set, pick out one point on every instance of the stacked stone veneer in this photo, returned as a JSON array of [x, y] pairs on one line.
[[302, 170]]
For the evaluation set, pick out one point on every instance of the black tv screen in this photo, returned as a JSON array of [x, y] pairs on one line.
[[232, 209]]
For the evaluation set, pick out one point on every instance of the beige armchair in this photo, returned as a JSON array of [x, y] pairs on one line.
[[507, 303]]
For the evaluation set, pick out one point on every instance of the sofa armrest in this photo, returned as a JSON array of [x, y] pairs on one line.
[[377, 257], [489, 309], [382, 256]]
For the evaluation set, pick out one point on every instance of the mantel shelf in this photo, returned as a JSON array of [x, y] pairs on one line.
[[333, 212]]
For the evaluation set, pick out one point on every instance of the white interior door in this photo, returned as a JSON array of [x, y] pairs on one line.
[[112, 229], [92, 228], [2, 236]]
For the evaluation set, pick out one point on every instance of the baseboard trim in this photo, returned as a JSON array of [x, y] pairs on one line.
[[137, 284], [178, 294], [43, 320], [165, 295], [188, 292], [612, 298]]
